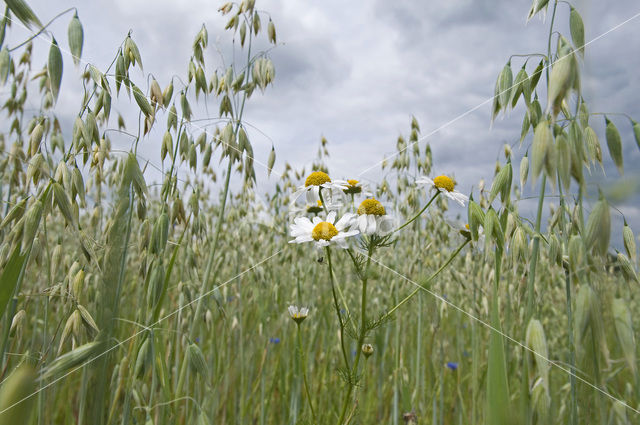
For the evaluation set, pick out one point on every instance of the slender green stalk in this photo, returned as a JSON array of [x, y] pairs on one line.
[[204, 288], [426, 282], [361, 335], [10, 312], [303, 365], [42, 394], [419, 212], [337, 307], [573, 412], [42, 29], [441, 386], [534, 253], [475, 353], [525, 405]]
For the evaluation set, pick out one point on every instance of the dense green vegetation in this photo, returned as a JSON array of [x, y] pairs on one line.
[[128, 302]]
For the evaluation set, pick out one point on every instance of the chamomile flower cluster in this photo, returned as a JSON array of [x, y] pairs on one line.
[[317, 221], [327, 199], [446, 186]]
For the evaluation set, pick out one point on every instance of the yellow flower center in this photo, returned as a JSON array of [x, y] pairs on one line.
[[316, 179], [444, 182], [315, 209], [324, 230], [353, 187], [371, 206]]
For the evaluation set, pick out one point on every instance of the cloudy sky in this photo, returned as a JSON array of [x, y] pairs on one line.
[[355, 72]]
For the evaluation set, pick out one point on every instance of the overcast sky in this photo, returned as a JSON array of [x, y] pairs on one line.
[[355, 72]]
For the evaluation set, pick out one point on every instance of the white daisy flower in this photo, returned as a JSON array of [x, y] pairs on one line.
[[373, 219], [323, 233], [355, 187], [445, 185], [314, 208], [298, 314], [316, 181]]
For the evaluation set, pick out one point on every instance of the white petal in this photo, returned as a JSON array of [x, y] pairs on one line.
[[425, 180], [342, 243], [362, 222], [345, 221], [385, 225], [301, 226], [371, 224], [301, 220], [349, 233], [331, 217], [297, 194], [322, 243], [458, 197], [312, 195]]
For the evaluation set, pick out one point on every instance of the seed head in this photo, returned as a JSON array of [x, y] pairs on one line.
[[367, 350], [444, 182], [316, 179], [371, 206], [324, 230]]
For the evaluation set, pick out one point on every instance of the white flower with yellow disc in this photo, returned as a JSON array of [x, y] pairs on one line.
[[314, 183], [323, 233], [444, 185], [373, 219], [298, 314], [356, 187]]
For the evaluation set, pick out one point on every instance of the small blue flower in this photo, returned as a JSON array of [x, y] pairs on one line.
[[466, 353], [274, 340], [452, 365], [230, 298], [197, 340]]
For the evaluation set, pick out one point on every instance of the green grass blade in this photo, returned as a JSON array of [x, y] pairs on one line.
[[497, 386], [9, 277]]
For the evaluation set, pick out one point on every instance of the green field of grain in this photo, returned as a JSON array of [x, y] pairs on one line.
[[181, 289]]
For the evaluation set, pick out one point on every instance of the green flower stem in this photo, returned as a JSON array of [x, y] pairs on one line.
[[433, 276], [204, 288], [525, 405], [573, 412], [324, 207], [361, 336], [573, 418], [534, 252], [419, 213], [303, 364], [42, 29], [337, 307]]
